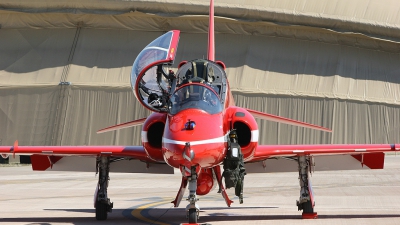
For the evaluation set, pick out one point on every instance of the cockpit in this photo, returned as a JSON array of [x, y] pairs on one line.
[[195, 96], [199, 83]]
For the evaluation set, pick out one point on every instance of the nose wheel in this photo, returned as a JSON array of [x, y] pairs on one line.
[[193, 215]]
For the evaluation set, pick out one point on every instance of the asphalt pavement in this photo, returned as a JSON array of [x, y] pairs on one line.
[[342, 197]]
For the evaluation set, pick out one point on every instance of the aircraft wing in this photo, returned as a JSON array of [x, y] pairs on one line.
[[282, 158], [129, 159]]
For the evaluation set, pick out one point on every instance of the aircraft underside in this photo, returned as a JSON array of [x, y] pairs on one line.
[[201, 181]]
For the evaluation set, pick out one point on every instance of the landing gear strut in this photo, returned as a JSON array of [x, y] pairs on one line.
[[103, 204], [306, 200], [192, 209]]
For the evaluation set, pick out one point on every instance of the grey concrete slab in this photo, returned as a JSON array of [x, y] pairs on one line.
[[342, 197]]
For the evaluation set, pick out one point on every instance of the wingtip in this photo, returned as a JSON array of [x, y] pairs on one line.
[[323, 128], [15, 148], [103, 130]]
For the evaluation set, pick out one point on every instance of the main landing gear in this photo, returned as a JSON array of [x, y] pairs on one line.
[[306, 200], [102, 203]]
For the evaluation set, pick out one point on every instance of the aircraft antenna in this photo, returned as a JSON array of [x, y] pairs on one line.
[[211, 44]]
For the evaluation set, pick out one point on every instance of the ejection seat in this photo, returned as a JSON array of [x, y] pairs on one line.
[[199, 73]]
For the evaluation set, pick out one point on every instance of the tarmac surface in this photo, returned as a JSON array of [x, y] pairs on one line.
[[342, 197]]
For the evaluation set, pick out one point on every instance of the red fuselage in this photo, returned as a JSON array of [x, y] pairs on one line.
[[207, 139]]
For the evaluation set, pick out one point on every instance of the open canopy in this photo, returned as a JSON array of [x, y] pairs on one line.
[[149, 79]]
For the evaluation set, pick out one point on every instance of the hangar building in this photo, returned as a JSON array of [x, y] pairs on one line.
[[65, 65]]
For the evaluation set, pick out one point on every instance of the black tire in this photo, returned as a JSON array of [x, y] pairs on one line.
[[101, 211], [307, 207], [192, 216]]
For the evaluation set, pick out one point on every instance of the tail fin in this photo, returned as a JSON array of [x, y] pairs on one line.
[[211, 43]]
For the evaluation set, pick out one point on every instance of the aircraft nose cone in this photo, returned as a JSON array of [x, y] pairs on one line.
[[194, 137], [188, 153]]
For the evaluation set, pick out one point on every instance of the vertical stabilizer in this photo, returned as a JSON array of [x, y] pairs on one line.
[[211, 43]]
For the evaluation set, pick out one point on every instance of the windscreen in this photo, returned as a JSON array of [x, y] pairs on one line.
[[195, 96]]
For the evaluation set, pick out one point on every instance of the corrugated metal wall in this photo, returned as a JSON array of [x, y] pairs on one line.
[[346, 82]]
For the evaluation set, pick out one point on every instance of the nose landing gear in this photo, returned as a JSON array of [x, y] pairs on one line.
[[192, 209]]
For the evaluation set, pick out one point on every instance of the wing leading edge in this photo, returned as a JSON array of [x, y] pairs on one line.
[[279, 158], [268, 151], [126, 159], [136, 152]]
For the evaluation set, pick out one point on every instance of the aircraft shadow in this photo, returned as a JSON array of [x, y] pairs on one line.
[[175, 216], [225, 217], [114, 218]]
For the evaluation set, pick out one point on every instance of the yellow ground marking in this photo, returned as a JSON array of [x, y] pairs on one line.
[[137, 213]]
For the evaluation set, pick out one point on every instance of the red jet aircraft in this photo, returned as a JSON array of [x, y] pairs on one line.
[[197, 128]]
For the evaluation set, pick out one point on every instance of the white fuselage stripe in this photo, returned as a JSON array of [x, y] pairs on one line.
[[254, 136], [201, 142], [144, 136]]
